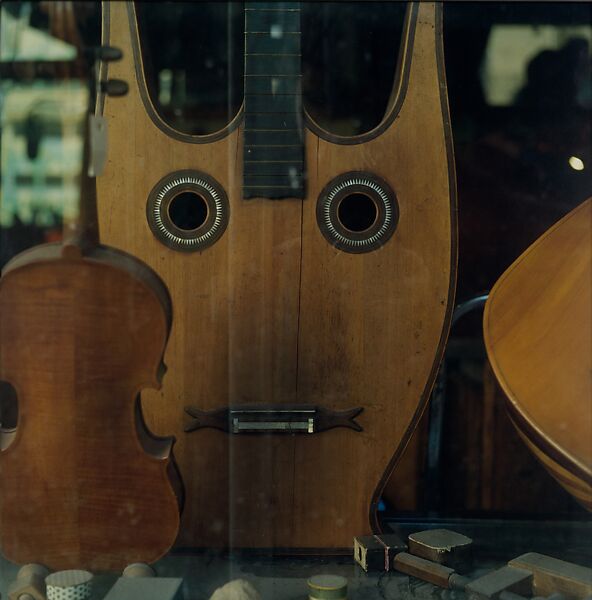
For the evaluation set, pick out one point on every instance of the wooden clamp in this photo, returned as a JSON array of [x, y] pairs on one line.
[[376, 552]]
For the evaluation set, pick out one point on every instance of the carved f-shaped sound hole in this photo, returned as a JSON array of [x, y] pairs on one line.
[[187, 211], [357, 212]]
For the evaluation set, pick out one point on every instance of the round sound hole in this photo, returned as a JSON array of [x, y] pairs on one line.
[[357, 212], [187, 211]]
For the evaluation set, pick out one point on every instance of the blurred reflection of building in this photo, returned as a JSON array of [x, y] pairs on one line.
[[41, 152]]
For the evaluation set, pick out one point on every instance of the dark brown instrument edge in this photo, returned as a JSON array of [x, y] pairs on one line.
[[375, 523]]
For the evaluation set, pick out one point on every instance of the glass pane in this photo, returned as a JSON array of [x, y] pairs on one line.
[[193, 61], [349, 55]]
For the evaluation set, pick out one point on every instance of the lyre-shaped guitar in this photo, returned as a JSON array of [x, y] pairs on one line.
[[280, 299]]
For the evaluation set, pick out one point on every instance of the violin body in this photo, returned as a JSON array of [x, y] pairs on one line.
[[273, 314], [84, 484]]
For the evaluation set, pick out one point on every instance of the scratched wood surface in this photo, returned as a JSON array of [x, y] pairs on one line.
[[273, 313], [538, 335]]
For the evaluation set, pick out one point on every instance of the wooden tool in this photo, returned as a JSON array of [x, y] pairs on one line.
[[82, 330], [507, 583], [442, 546], [429, 571], [376, 552], [552, 575], [529, 574], [284, 301], [29, 583], [538, 335]]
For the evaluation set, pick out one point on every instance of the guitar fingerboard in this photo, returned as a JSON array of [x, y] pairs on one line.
[[274, 137]]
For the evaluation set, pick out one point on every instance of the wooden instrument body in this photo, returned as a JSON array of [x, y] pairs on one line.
[[84, 485], [538, 335], [274, 314]]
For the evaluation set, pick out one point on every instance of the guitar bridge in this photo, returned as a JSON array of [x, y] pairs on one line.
[[257, 419]]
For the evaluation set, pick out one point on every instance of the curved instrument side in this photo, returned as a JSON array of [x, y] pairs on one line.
[[538, 335], [79, 339]]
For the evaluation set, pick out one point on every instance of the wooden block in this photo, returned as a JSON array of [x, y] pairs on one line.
[[552, 575], [376, 552], [506, 579], [442, 546], [146, 588]]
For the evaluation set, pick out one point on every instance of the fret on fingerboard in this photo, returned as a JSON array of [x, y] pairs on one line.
[[273, 134]]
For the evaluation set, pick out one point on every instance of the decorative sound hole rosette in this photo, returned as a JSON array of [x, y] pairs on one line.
[[187, 211], [357, 212]]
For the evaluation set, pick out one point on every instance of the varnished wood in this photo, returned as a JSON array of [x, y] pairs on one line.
[[82, 331], [538, 335], [272, 313], [79, 338]]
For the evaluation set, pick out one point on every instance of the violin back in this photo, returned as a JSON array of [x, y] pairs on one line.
[[84, 484]]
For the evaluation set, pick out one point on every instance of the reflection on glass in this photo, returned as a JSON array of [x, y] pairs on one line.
[[24, 35], [194, 62], [543, 56], [41, 152], [349, 58]]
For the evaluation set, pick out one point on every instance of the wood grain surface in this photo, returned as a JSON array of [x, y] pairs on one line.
[[84, 485], [538, 335], [272, 313]]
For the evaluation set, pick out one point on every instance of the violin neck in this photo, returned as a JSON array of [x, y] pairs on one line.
[[82, 231]]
